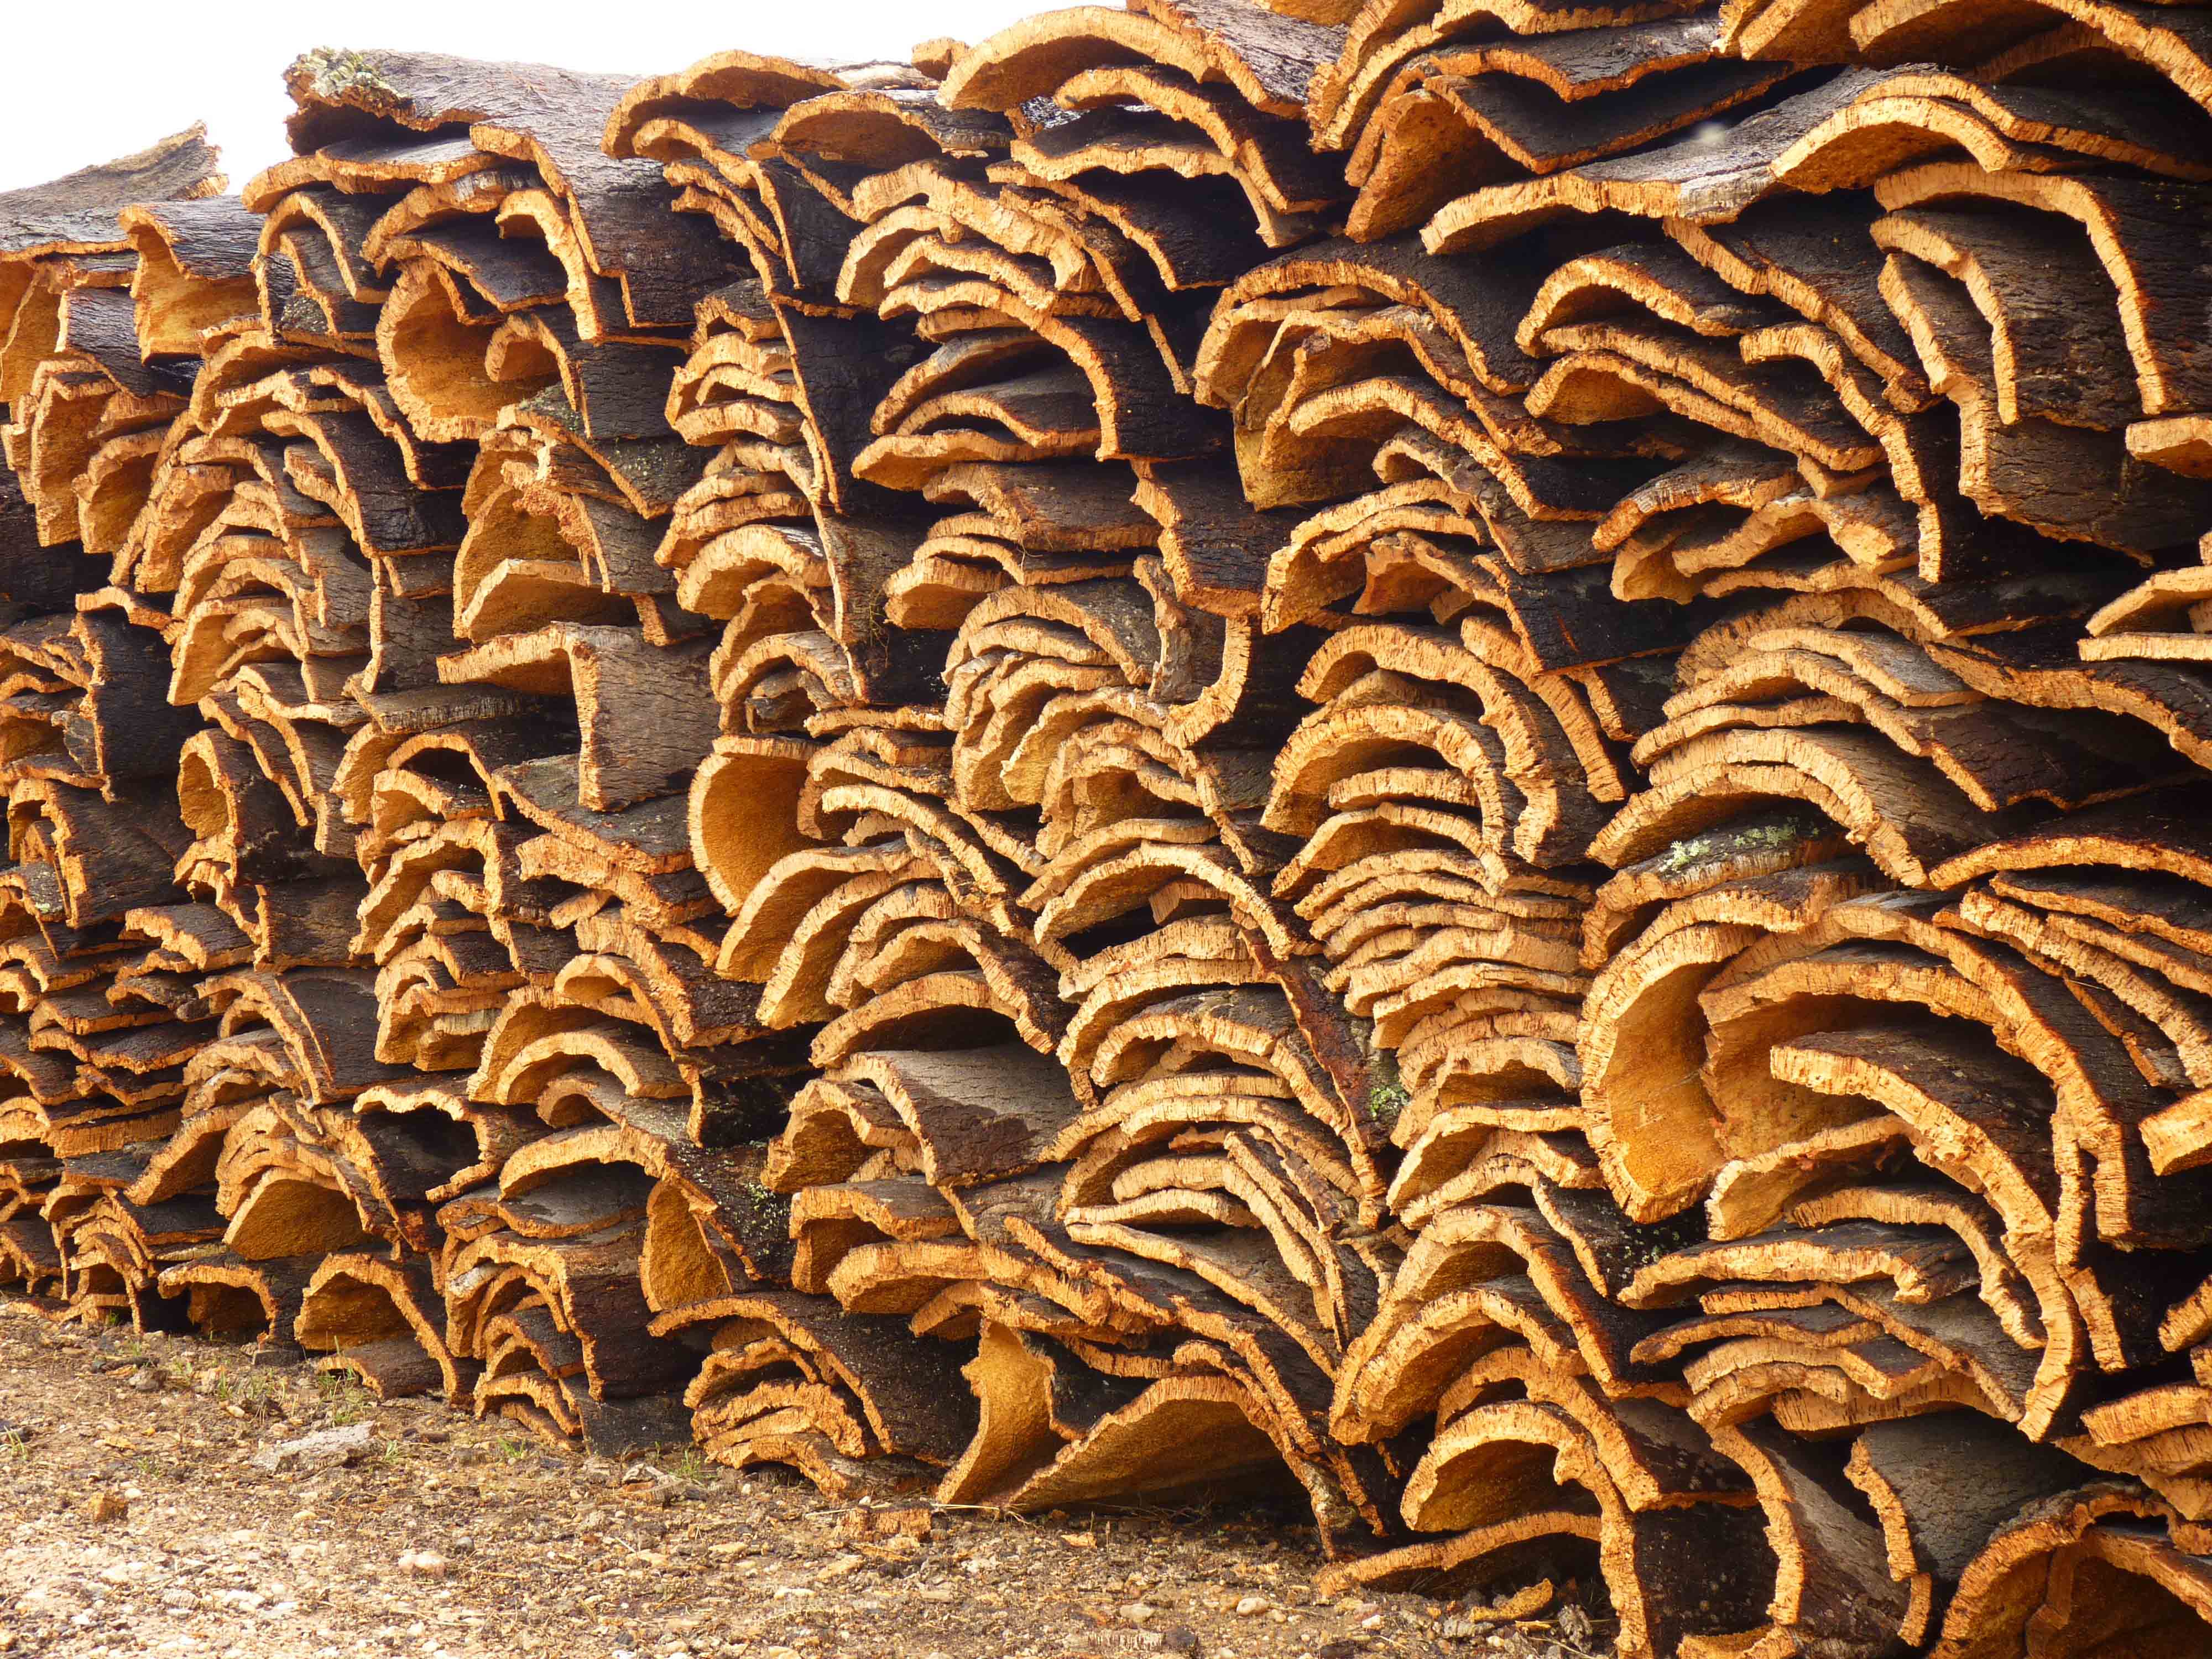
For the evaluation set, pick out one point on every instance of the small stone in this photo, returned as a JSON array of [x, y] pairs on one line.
[[423, 1564], [325, 1448], [1250, 1606], [1344, 1648], [1179, 1638], [1136, 1613], [1372, 1621], [110, 1506]]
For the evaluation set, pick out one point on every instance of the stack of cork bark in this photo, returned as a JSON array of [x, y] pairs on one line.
[[1450, 755]]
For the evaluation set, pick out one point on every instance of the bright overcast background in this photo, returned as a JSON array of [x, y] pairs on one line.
[[81, 82]]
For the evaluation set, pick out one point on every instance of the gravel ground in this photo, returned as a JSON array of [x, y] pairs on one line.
[[141, 1517]]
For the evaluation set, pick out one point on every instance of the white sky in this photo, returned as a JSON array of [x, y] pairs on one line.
[[84, 82]]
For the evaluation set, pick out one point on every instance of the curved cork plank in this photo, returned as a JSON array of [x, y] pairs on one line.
[[2071, 483], [78, 213], [2172, 43], [1341, 94], [1934, 1521], [2143, 232], [2093, 1543], [1267, 60], [1695, 181], [369, 1313], [1830, 1589], [1444, 123]]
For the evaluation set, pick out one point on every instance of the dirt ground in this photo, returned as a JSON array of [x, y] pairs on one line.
[[134, 1521]]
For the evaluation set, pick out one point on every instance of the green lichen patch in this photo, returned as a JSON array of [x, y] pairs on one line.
[[1386, 1089], [332, 74], [765, 1203], [1386, 1101], [1735, 839]]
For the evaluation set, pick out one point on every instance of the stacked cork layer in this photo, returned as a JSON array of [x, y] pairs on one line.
[[1447, 755]]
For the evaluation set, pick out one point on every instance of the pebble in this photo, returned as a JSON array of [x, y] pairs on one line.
[[325, 1448], [1179, 1638], [1250, 1606], [423, 1564], [1136, 1613]]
